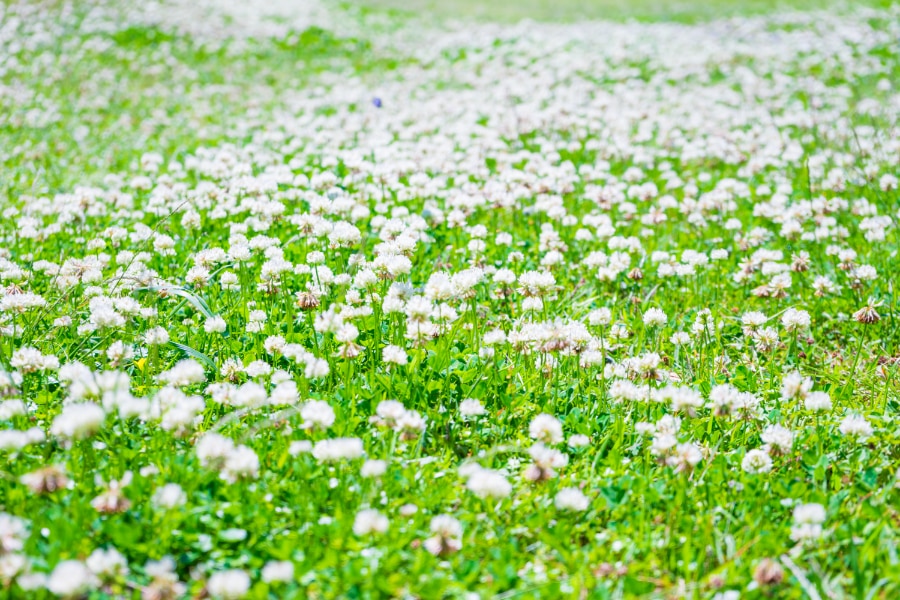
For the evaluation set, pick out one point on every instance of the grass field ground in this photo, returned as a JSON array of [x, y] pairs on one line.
[[302, 300], [571, 11]]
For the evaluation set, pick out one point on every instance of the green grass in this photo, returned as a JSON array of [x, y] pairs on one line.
[[616, 10], [136, 93], [486, 140]]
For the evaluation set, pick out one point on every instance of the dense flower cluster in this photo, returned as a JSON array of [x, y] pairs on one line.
[[557, 309]]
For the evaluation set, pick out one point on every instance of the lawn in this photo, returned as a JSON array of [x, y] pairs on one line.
[[418, 300], [574, 11]]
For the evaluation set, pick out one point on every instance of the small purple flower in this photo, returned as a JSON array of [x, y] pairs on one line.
[[376, 101]]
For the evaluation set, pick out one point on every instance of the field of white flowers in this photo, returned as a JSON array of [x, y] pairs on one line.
[[310, 301]]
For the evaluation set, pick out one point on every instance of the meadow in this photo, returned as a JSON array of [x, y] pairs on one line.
[[449, 300]]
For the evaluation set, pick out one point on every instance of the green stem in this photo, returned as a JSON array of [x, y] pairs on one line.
[[852, 379]]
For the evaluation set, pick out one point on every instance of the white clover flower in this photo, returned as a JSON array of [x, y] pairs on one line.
[[184, 373], [118, 353], [778, 438], [277, 571], [817, 402], [494, 337], [446, 536], [579, 440], [316, 368], [808, 520], [368, 522], [13, 439], [757, 461], [470, 407], [394, 355], [571, 499], [71, 579], [214, 324], [373, 468], [487, 483], [12, 408], [546, 428], [78, 421], [794, 386], [13, 532], [655, 317], [284, 393], [856, 427], [107, 564], [300, 447], [680, 338], [258, 368], [212, 449], [643, 428], [794, 320], [240, 463], [662, 443], [156, 336], [532, 304], [337, 449], [753, 320], [317, 414], [169, 497], [809, 513], [231, 584], [685, 457]]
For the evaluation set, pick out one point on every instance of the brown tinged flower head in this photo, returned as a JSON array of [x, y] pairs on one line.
[[446, 536], [307, 301], [165, 584], [162, 590], [867, 314], [45, 480], [113, 500], [761, 291], [349, 350], [768, 572], [800, 262], [607, 570]]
